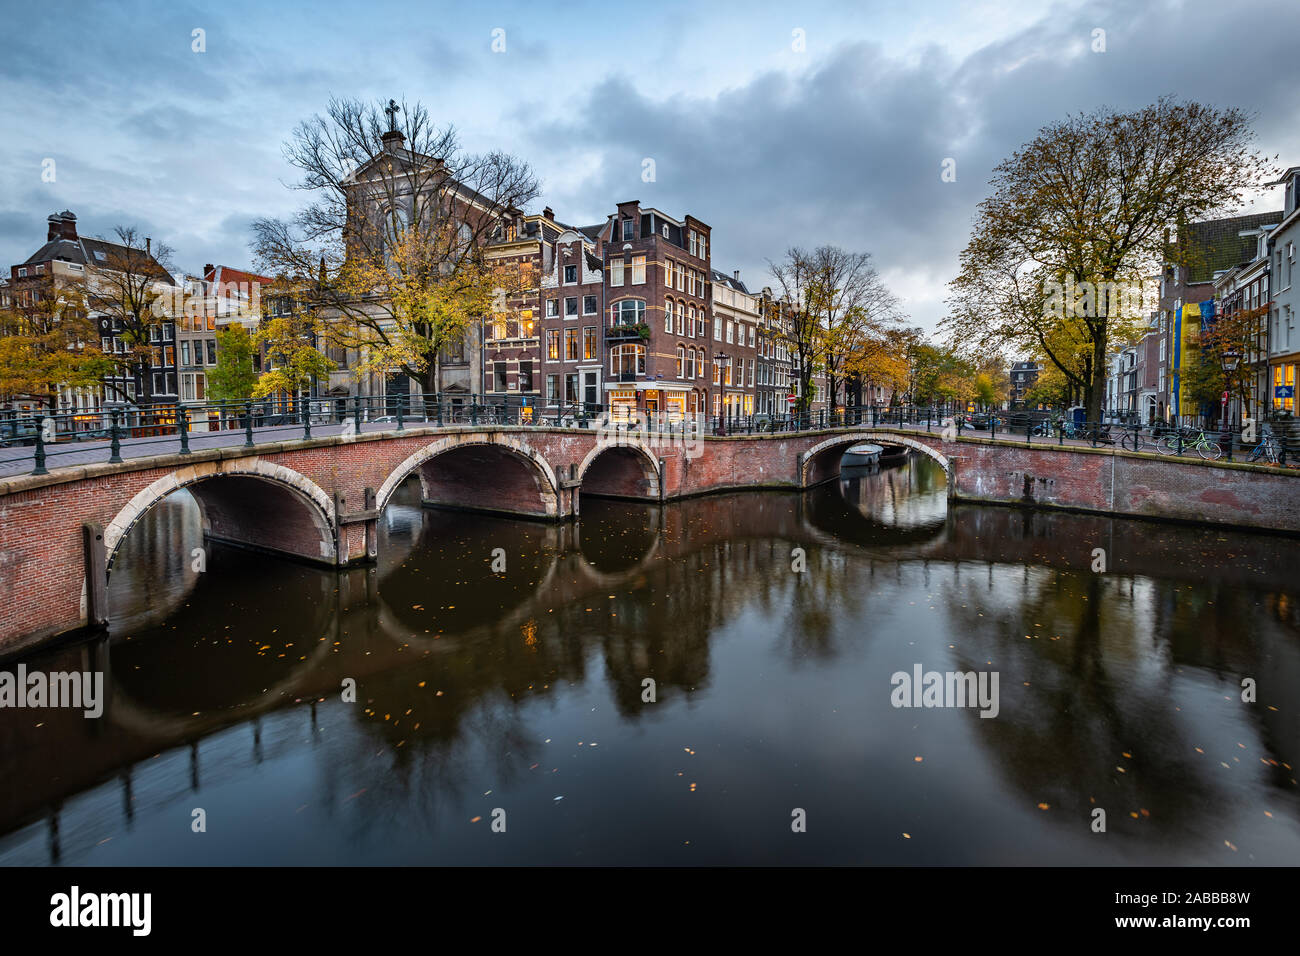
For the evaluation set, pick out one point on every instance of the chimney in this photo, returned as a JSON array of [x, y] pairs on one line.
[[549, 213], [208, 270], [736, 275], [148, 246], [63, 225]]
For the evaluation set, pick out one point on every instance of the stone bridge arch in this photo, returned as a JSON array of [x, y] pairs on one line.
[[821, 462], [531, 490], [622, 469], [246, 501]]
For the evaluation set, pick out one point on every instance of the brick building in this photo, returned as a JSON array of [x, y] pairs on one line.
[[68, 259]]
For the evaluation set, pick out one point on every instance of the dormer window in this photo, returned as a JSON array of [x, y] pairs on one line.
[[665, 230], [628, 232]]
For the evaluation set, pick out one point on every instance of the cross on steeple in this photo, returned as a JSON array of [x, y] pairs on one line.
[[391, 109]]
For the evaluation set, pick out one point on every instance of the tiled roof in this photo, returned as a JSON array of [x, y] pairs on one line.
[[225, 274], [90, 251], [1215, 245], [730, 281]]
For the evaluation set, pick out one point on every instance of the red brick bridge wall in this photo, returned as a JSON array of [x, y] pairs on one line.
[[319, 499]]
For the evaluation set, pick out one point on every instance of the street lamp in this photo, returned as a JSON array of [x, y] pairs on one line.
[[1230, 359], [719, 360]]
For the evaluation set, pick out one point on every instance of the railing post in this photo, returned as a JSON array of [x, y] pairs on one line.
[[39, 454], [401, 400], [248, 424], [356, 414], [183, 426], [115, 443]]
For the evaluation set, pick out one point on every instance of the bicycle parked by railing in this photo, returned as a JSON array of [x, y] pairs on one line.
[[1182, 441], [1268, 449], [1132, 439]]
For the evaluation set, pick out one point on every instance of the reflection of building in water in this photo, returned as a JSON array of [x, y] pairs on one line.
[[907, 495], [155, 567]]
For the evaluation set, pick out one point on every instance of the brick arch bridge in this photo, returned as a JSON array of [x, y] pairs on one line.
[[319, 499]]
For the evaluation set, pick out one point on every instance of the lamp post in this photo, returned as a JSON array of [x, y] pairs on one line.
[[719, 360], [1230, 359]]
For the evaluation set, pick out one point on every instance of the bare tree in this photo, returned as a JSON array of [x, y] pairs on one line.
[[131, 286], [840, 311], [389, 252]]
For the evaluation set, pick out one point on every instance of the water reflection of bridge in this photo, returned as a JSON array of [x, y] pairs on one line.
[[570, 590]]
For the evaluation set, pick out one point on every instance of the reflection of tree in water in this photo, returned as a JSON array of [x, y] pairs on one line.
[[1096, 679]]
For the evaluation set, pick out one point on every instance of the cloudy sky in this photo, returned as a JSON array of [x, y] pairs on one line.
[[778, 124]]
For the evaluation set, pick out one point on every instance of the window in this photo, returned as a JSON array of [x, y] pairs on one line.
[[681, 279], [699, 330], [704, 247], [690, 364], [552, 389], [717, 328], [731, 330], [690, 322], [681, 361], [552, 310], [753, 335], [694, 245], [185, 354], [570, 345], [668, 272], [588, 305], [627, 360], [690, 281], [616, 272], [665, 230], [499, 327], [22, 273], [212, 351], [526, 376], [498, 376], [628, 230], [717, 372], [571, 387], [668, 316], [628, 312], [571, 307], [570, 275], [588, 344], [638, 270], [553, 345]]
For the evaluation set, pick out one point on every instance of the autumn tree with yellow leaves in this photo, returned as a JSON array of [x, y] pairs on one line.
[[389, 259], [1076, 223]]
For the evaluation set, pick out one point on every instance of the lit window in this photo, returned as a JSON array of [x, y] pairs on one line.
[[616, 272], [638, 270]]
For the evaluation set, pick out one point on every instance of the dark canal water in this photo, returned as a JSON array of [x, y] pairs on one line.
[[523, 692]]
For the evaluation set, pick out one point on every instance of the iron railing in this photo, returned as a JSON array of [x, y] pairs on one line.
[[83, 437]]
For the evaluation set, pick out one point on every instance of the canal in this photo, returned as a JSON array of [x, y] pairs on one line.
[[681, 685]]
